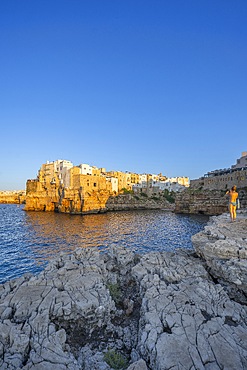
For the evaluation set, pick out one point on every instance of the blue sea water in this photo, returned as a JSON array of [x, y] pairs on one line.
[[29, 239]]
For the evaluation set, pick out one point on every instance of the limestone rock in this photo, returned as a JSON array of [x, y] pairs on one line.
[[210, 202], [223, 245], [13, 197], [167, 312], [138, 365]]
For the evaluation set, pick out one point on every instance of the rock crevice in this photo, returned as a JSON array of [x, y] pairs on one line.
[[158, 311]]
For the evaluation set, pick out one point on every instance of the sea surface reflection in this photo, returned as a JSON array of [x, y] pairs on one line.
[[29, 239]]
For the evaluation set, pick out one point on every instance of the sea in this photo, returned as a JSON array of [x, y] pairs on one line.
[[28, 240]]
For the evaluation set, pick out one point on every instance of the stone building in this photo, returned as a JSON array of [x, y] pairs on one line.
[[57, 171], [207, 194], [134, 178], [124, 179], [86, 169], [224, 179], [241, 162], [184, 181]]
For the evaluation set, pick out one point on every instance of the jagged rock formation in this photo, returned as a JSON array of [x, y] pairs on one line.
[[223, 245], [53, 197], [125, 202], [13, 197], [160, 310], [210, 202], [76, 200]]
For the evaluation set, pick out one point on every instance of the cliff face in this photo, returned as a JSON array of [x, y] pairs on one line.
[[78, 201], [66, 200], [208, 202], [12, 197], [40, 198], [124, 202]]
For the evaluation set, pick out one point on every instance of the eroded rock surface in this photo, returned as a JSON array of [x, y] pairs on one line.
[[159, 310], [188, 321], [223, 245]]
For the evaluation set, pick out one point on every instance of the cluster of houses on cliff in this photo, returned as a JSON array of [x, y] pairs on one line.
[[62, 187], [63, 172]]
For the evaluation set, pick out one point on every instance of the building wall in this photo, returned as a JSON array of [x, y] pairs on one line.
[[64, 172], [223, 182], [124, 179], [241, 162], [33, 186], [86, 169], [143, 178], [55, 172], [114, 183], [225, 178], [74, 171], [96, 171], [47, 172], [91, 183], [134, 178], [180, 180]]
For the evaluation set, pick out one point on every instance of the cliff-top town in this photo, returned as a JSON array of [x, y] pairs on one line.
[[63, 172], [60, 186], [63, 187]]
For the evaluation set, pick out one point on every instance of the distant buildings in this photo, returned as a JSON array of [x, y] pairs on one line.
[[62, 187], [225, 178], [64, 173], [241, 162], [51, 171]]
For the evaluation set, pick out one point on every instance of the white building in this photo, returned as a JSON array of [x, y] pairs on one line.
[[157, 186], [142, 178], [180, 180], [137, 187], [86, 169], [114, 183], [62, 167], [172, 186]]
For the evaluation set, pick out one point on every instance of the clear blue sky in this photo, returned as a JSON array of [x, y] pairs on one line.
[[130, 85]]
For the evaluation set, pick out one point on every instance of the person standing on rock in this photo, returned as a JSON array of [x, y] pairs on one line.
[[233, 195]]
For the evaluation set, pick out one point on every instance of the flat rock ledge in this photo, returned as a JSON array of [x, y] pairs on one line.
[[181, 310], [223, 246]]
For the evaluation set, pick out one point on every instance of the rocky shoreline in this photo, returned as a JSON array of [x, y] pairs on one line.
[[94, 310], [13, 197]]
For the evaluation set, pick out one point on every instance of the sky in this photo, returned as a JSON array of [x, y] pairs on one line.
[[146, 86]]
